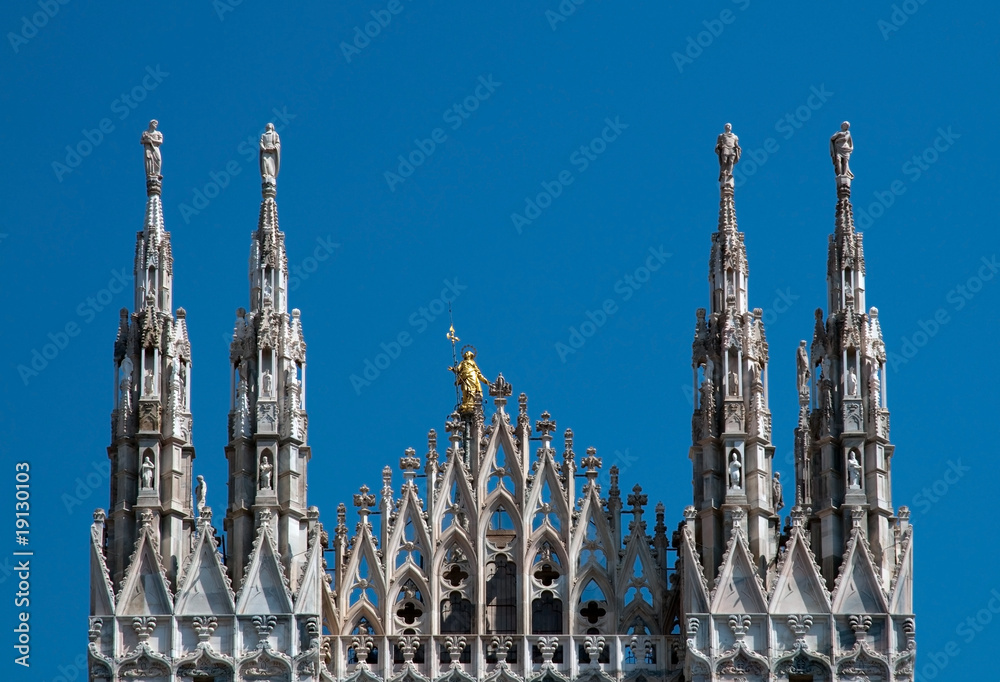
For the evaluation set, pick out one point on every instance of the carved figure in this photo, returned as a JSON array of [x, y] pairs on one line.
[[125, 385], [242, 409], [802, 364], [182, 373], [147, 471], [779, 500], [853, 471], [841, 146], [852, 382], [876, 388], [152, 139], [270, 155], [148, 385], [468, 376], [265, 473], [266, 382], [200, 492], [727, 146], [735, 470], [734, 383]]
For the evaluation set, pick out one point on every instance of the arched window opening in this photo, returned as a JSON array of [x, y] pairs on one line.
[[501, 596], [457, 614], [547, 615]]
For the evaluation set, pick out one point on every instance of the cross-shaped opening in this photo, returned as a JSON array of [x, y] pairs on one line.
[[409, 613], [546, 575], [455, 575], [592, 612]]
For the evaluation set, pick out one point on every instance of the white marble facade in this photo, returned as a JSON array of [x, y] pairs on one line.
[[489, 561]]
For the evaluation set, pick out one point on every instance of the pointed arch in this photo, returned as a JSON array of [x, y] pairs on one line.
[[591, 540], [546, 488], [362, 560], [409, 529], [457, 498], [500, 444], [362, 615]]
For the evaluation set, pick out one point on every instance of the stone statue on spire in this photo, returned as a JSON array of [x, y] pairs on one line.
[[727, 146], [151, 140], [270, 157], [841, 146]]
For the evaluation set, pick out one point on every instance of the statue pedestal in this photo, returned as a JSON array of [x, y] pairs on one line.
[[855, 497], [149, 498], [736, 497], [266, 497]]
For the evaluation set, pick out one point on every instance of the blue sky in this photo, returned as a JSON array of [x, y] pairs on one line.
[[532, 84]]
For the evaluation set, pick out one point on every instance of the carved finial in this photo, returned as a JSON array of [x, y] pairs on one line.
[[500, 390], [363, 500], [568, 453], [151, 140], [638, 500], [690, 514], [341, 529], [545, 426], [455, 645], [143, 626], [591, 463], [501, 645], [432, 443], [270, 161], [727, 147]]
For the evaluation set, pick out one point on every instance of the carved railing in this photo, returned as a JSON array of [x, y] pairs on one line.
[[527, 656]]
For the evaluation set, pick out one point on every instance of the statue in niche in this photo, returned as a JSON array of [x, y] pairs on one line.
[[825, 369], [876, 388], [182, 384], [802, 365], [266, 382], [200, 493], [267, 290], [734, 383], [265, 473], [852, 382], [148, 385], [151, 140], [468, 376], [853, 471], [125, 385], [147, 471], [727, 146], [735, 470], [174, 376], [779, 500], [291, 377], [841, 146], [270, 155], [753, 366]]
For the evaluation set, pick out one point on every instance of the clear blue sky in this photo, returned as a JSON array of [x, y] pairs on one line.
[[532, 88]]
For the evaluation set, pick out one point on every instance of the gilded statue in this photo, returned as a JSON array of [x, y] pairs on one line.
[[469, 378]]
